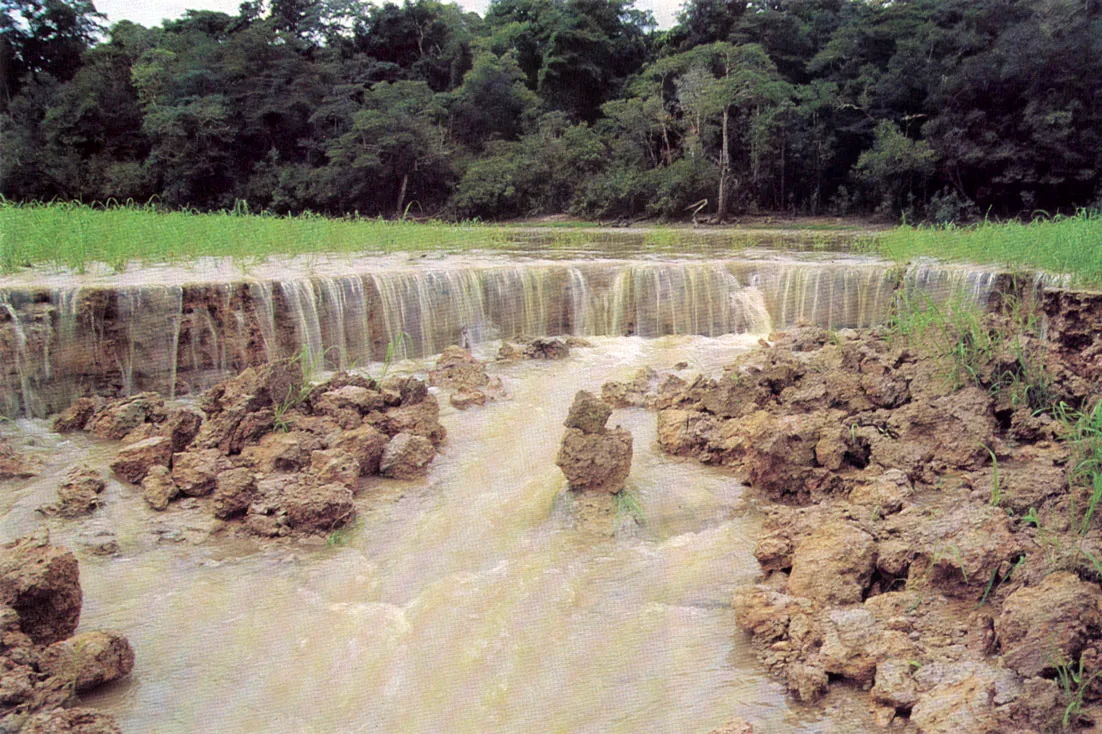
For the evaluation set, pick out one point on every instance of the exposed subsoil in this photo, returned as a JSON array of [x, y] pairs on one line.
[[927, 540]]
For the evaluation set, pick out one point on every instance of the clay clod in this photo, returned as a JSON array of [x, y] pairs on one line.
[[592, 456]]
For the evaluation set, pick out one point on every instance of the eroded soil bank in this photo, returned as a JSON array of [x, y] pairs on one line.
[[931, 535], [924, 527]]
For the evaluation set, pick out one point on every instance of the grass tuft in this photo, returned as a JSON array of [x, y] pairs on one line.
[[627, 505], [1074, 682]]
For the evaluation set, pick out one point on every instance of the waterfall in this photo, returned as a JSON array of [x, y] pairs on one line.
[[132, 338], [20, 357]]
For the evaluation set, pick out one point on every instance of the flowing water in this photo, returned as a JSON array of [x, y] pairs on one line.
[[477, 599], [175, 329], [465, 601]]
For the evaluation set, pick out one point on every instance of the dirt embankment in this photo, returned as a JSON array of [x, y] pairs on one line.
[[930, 540]]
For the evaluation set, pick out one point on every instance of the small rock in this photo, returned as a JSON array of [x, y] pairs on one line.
[[195, 472], [410, 390], [421, 418], [264, 386], [834, 564], [282, 451], [808, 682], [79, 493], [465, 397], [42, 583], [234, 491], [1053, 621], [958, 705], [362, 400], [587, 413], [334, 466], [894, 685], [141, 433], [544, 348], [158, 488], [264, 526], [77, 415], [406, 456], [366, 444], [181, 427], [887, 493], [15, 465], [89, 659], [457, 368], [599, 462], [71, 721], [509, 352], [120, 417], [133, 462], [318, 509]]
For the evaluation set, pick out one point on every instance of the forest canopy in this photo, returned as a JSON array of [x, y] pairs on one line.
[[946, 110]]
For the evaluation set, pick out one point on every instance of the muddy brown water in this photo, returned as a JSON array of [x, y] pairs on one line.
[[465, 601]]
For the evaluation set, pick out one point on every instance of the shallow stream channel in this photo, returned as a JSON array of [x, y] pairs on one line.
[[471, 600], [481, 597]]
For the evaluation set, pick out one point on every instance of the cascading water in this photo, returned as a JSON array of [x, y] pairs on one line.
[[19, 353], [129, 338]]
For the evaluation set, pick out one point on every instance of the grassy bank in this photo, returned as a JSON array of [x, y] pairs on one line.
[[73, 236], [1070, 245]]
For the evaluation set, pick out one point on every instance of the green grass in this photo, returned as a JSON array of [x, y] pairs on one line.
[[1074, 682], [1083, 432], [73, 236], [627, 505], [340, 537], [953, 331], [965, 342], [1063, 245]]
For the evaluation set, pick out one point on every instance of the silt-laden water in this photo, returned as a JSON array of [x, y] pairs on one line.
[[468, 601]]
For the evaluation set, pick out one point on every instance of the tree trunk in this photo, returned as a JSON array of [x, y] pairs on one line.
[[783, 141], [724, 172], [402, 196]]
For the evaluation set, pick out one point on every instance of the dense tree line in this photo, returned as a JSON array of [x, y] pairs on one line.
[[934, 108]]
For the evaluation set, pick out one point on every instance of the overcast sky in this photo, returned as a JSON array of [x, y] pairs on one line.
[[152, 12]]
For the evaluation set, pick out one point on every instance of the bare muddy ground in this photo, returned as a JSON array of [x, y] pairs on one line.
[[473, 598]]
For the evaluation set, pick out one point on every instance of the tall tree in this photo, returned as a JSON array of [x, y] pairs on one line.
[[395, 152], [492, 103], [44, 37], [576, 54]]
